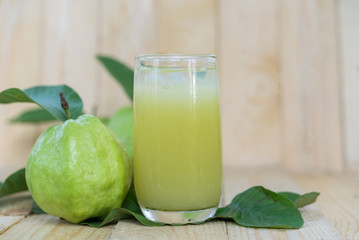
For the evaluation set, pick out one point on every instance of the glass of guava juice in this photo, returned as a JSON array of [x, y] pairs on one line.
[[177, 137]]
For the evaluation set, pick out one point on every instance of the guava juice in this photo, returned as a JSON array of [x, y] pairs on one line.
[[177, 138]]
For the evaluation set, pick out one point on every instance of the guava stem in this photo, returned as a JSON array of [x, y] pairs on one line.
[[65, 105]]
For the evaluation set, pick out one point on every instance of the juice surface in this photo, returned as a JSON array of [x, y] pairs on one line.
[[177, 139]]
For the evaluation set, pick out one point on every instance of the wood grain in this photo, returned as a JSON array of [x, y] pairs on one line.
[[7, 222], [334, 216], [248, 65], [70, 45], [45, 227], [349, 38], [16, 204], [278, 69], [186, 26], [130, 229], [338, 201], [20, 66], [310, 87], [316, 225], [126, 29]]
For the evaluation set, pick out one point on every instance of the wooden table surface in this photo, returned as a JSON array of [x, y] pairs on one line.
[[335, 215]]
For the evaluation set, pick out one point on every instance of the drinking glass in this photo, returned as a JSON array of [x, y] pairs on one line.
[[177, 137]]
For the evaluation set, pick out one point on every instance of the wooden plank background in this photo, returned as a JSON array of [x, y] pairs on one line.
[[310, 86], [349, 43], [288, 70]]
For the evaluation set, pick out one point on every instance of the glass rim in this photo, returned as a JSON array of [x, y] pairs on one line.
[[175, 56]]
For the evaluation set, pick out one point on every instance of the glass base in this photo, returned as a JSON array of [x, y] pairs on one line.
[[178, 217]]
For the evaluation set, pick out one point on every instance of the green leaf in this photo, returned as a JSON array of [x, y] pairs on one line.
[[123, 74], [130, 208], [256, 207], [33, 116], [301, 200], [47, 97], [14, 183], [36, 209], [260, 207], [306, 199], [122, 125], [290, 195]]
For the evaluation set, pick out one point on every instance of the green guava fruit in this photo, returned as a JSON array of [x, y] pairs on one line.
[[78, 170], [121, 123]]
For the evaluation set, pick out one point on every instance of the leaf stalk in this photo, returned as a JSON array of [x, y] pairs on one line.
[[65, 105]]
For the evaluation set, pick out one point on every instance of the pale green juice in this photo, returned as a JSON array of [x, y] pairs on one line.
[[177, 139]]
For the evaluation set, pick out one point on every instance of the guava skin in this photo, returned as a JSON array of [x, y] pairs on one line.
[[78, 170]]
